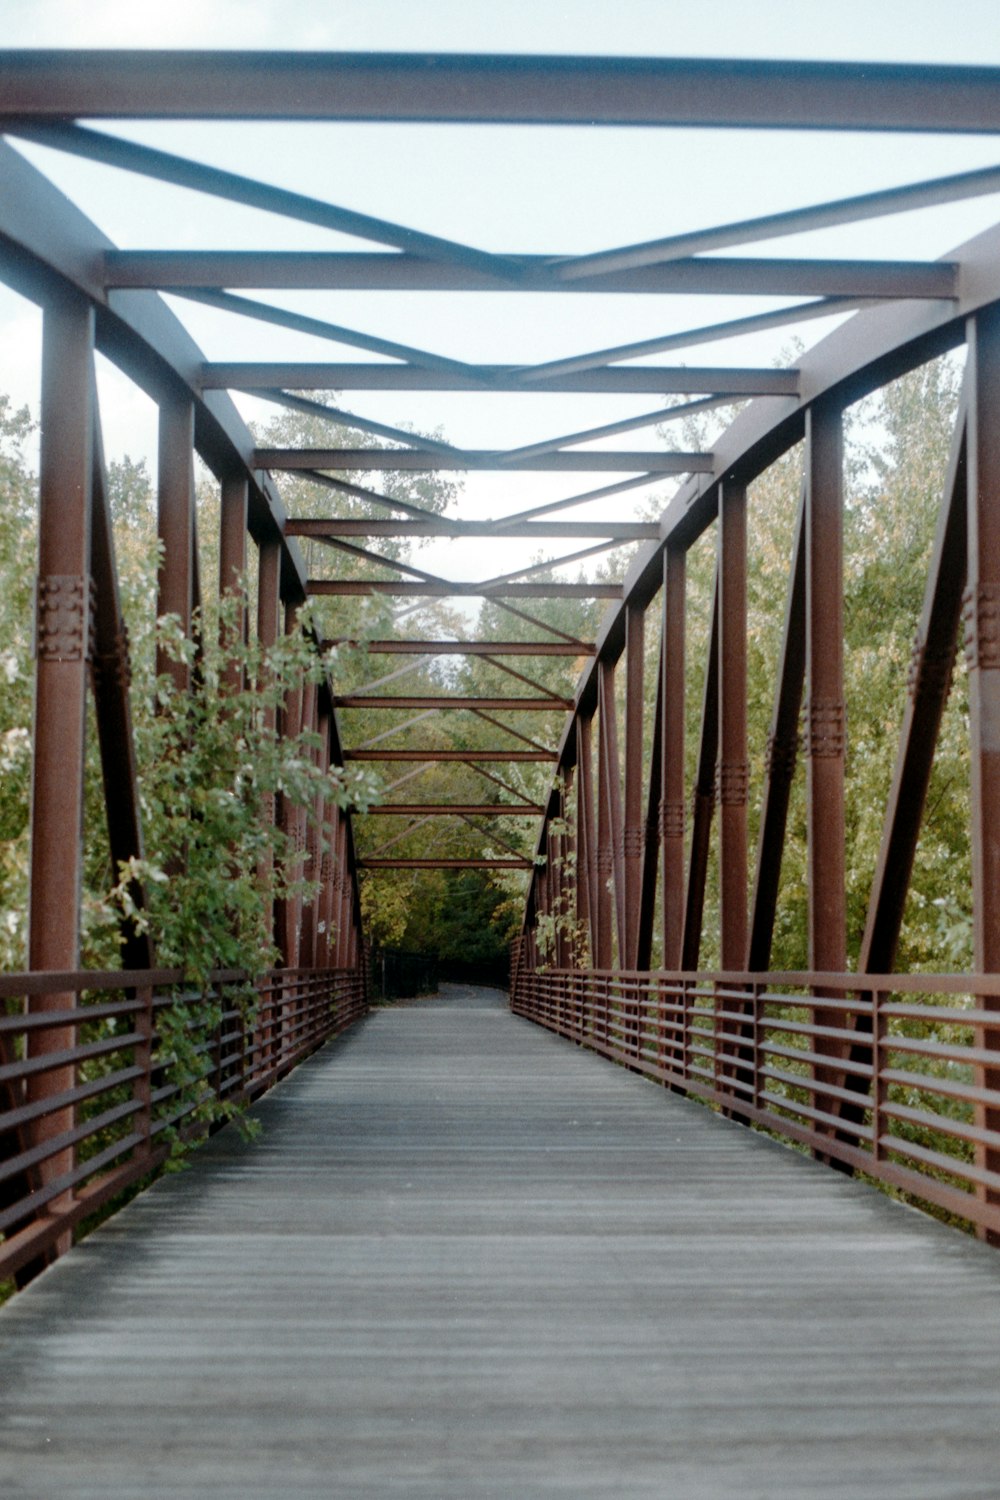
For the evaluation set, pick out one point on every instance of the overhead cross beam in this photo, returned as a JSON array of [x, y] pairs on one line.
[[47, 84], [415, 460], [303, 375], [310, 270]]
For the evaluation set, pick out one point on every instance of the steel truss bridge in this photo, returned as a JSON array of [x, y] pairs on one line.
[[894, 1076]]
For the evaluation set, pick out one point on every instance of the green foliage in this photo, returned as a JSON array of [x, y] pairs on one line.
[[17, 548], [212, 766]]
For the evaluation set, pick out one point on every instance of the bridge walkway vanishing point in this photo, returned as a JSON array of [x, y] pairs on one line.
[[467, 1259]]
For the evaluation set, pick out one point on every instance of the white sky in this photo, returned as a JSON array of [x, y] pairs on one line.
[[507, 188]]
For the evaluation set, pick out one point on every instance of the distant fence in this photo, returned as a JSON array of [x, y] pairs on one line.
[[495, 974], [93, 1092], [396, 974]]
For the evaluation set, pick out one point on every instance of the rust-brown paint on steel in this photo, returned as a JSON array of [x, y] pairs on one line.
[[929, 681], [113, 715], [655, 461], [671, 804], [175, 525], [464, 809], [825, 718], [373, 375], [625, 531], [210, 270], [357, 588], [445, 864], [233, 504], [42, 84], [61, 664], [469, 648], [733, 762], [982, 607], [651, 842], [825, 707], [704, 796], [782, 753], [439, 703], [611, 844], [634, 829], [587, 901]]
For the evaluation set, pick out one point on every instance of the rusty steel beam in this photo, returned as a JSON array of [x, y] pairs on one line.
[[825, 732], [610, 833], [467, 648], [63, 649], [704, 796], [302, 375], [622, 531], [413, 459], [651, 849], [233, 501], [928, 686], [598, 359], [586, 876], [445, 864], [671, 792], [782, 752], [46, 243], [825, 714], [211, 270], [165, 166], [456, 809], [634, 826], [440, 704], [446, 755], [404, 590], [49, 84], [111, 677], [982, 647], [625, 259], [734, 767], [175, 526]]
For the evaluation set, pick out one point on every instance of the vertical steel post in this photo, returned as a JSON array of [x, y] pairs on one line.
[[825, 734], [175, 525], [634, 835], [62, 650], [290, 908], [268, 618], [111, 677], [586, 875], [825, 710], [672, 763], [609, 822], [733, 765], [704, 797], [782, 752], [982, 643], [233, 567]]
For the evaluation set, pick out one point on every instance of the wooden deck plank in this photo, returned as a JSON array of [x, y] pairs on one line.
[[467, 1259]]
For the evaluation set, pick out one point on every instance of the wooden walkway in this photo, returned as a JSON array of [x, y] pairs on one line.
[[467, 1259]]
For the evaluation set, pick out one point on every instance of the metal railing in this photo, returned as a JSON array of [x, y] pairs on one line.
[[94, 1092], [894, 1076]]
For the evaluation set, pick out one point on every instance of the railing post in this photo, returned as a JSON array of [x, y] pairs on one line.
[[879, 1091]]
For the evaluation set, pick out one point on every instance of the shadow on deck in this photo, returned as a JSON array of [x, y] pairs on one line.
[[467, 1259]]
